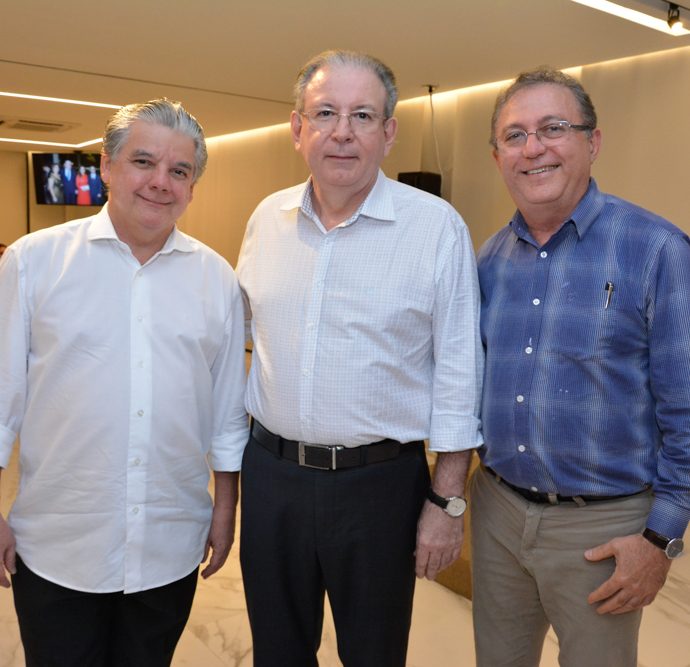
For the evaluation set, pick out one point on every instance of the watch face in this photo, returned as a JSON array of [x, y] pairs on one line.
[[456, 506], [674, 548]]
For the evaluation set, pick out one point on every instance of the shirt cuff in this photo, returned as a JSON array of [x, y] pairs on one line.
[[226, 451], [668, 519], [452, 434]]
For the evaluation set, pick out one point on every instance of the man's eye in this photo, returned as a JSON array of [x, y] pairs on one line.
[[324, 113], [553, 130], [141, 162], [513, 136], [363, 116], [180, 173]]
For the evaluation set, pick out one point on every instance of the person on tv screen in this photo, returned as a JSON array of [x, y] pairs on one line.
[[55, 188], [82, 181], [69, 182], [95, 187]]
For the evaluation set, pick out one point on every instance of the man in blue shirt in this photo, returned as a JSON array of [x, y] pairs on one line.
[[582, 498]]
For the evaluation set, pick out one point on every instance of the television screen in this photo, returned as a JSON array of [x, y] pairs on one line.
[[68, 179]]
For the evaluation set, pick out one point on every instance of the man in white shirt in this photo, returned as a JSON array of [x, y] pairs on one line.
[[364, 305], [122, 357]]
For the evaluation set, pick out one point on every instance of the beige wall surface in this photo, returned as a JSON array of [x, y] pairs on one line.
[[643, 106], [13, 177]]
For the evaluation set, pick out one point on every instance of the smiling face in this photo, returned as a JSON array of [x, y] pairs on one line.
[[545, 182], [151, 180], [343, 162]]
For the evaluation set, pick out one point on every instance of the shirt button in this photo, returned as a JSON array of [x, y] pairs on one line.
[[520, 398], [140, 413], [543, 254], [135, 510], [136, 461], [533, 488], [305, 372], [521, 448], [536, 302], [140, 318], [528, 350], [310, 325]]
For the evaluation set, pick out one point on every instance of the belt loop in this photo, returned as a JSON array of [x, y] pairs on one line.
[[579, 501]]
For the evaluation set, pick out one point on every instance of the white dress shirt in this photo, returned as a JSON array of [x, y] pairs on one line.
[[368, 331], [124, 383]]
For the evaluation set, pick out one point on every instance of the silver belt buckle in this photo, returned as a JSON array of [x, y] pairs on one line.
[[302, 455]]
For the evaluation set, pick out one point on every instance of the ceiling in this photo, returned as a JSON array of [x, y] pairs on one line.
[[232, 63]]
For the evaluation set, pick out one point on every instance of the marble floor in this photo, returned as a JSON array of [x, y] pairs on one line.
[[217, 634]]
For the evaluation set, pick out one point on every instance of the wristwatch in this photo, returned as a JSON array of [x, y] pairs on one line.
[[672, 547], [453, 506]]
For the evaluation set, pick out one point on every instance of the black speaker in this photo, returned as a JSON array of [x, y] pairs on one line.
[[424, 180]]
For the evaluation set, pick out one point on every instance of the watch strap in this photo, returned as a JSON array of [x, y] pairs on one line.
[[436, 499], [671, 546]]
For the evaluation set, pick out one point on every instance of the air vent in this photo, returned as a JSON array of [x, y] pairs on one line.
[[37, 125]]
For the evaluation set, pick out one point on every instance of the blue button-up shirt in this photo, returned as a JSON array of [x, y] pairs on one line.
[[587, 388]]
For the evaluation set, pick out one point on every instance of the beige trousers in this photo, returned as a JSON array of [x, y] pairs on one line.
[[529, 572]]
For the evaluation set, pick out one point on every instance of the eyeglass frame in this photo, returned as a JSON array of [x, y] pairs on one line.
[[349, 115], [537, 133]]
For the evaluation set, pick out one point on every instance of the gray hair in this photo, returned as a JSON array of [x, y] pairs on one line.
[[339, 58], [160, 112], [540, 76]]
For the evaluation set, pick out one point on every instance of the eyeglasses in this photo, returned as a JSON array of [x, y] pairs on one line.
[[548, 134], [326, 120]]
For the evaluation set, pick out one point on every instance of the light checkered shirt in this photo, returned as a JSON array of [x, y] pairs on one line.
[[366, 332]]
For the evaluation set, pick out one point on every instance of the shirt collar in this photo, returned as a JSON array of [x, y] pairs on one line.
[[584, 215], [378, 204], [102, 228]]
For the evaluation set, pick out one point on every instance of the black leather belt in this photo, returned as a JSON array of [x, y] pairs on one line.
[[556, 498], [327, 457]]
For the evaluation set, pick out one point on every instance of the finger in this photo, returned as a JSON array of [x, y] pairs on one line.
[[628, 606], [615, 604], [601, 552], [433, 566], [11, 561], [218, 558], [607, 590], [421, 562]]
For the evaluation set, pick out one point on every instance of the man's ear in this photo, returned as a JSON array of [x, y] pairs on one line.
[[296, 129]]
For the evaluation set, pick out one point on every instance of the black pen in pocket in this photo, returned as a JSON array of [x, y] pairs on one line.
[[609, 293]]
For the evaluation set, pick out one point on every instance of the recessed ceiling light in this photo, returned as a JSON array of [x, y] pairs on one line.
[[60, 100]]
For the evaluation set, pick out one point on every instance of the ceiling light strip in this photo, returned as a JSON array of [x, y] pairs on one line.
[[83, 144], [61, 100], [635, 16]]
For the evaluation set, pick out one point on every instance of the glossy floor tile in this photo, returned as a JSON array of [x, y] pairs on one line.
[[217, 634]]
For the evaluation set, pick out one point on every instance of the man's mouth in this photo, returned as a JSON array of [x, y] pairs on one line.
[[541, 170], [154, 201]]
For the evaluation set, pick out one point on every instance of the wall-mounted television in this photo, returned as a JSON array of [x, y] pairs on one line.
[[68, 179]]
